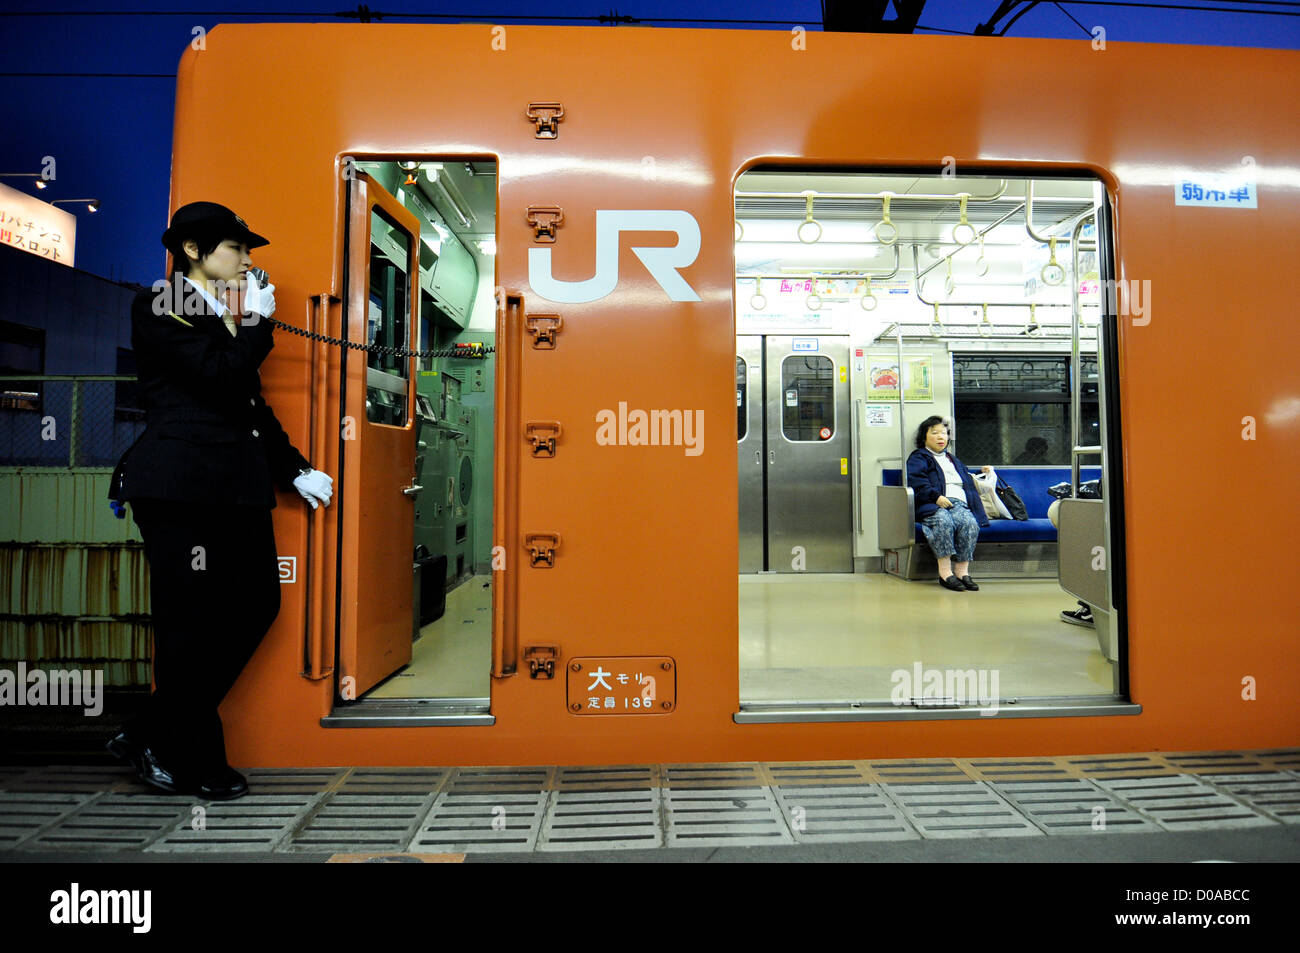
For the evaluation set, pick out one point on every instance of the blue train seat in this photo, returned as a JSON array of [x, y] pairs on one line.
[[1031, 484]]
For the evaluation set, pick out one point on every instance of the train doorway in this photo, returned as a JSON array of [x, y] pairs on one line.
[[985, 306], [415, 597], [794, 457]]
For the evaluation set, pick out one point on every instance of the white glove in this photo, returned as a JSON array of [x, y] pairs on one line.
[[314, 485], [258, 299]]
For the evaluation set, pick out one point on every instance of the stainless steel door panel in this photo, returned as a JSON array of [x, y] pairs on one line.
[[749, 410], [809, 498]]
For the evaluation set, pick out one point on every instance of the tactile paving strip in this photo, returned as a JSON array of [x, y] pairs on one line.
[[712, 775], [817, 773], [24, 814], [1072, 806], [959, 809], [1183, 803], [1275, 793], [841, 812], [394, 781], [1213, 762], [602, 819], [256, 822], [904, 772], [294, 780], [997, 770], [606, 778], [1280, 759], [1119, 766]]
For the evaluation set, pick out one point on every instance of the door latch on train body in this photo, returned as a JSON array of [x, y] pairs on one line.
[[543, 328], [546, 117], [541, 549], [541, 660], [543, 434], [545, 219]]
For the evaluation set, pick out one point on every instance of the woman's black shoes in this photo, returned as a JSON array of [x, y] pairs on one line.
[[952, 583], [969, 583]]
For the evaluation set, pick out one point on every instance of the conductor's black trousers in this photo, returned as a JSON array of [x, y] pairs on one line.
[[215, 592]]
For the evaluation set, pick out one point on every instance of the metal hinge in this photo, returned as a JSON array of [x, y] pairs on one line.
[[545, 219], [546, 117], [541, 660], [543, 434], [543, 328], [541, 548]]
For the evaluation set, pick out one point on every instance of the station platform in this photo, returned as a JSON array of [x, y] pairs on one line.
[[1240, 805]]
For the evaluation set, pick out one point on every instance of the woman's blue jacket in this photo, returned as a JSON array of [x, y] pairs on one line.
[[925, 477]]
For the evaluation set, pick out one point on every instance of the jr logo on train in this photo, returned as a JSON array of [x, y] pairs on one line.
[[662, 263]]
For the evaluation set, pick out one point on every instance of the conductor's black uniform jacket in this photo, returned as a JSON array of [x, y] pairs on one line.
[[209, 435]]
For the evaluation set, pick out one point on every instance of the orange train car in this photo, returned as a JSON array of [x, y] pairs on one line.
[[857, 232]]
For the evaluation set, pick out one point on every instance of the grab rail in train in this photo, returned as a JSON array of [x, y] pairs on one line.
[[902, 405], [979, 236], [794, 274], [318, 310], [923, 196], [854, 449], [1076, 383], [916, 286], [505, 505]]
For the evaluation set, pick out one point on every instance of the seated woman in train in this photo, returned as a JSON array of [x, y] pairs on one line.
[[947, 503]]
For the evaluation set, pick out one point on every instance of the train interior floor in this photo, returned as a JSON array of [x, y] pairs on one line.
[[453, 655], [825, 637], [840, 636]]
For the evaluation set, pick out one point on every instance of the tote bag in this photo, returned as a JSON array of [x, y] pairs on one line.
[[1010, 499], [987, 484]]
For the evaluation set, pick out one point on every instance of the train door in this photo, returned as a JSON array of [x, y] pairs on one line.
[[749, 441], [794, 456], [378, 439]]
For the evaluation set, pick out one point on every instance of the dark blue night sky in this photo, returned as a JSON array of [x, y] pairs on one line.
[[111, 135]]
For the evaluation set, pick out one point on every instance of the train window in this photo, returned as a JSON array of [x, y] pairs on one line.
[[386, 325], [959, 298], [742, 397], [1013, 409], [807, 397]]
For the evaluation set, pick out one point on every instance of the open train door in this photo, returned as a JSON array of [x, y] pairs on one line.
[[380, 298]]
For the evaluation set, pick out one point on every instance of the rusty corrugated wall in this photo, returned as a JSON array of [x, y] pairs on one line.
[[75, 588]]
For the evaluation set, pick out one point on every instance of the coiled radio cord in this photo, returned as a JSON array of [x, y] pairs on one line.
[[456, 350]]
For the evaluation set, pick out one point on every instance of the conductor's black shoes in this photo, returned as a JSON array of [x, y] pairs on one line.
[[124, 748], [226, 786], [145, 762]]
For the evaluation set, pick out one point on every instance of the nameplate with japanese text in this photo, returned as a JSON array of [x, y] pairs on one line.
[[632, 685]]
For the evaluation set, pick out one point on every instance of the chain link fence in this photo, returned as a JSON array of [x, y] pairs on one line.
[[67, 420]]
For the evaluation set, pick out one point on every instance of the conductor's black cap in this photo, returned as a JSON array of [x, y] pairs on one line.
[[208, 218]]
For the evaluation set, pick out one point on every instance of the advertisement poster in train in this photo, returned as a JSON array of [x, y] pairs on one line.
[[882, 378]]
